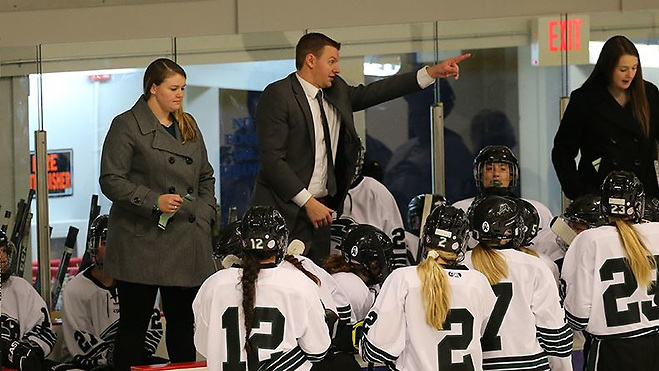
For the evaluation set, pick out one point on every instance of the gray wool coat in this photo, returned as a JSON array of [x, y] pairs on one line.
[[140, 161]]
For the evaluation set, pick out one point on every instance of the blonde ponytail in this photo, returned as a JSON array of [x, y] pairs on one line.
[[639, 257], [435, 288], [526, 250], [186, 125], [490, 262]]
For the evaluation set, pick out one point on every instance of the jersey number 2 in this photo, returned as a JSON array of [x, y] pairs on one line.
[[456, 342], [231, 323]]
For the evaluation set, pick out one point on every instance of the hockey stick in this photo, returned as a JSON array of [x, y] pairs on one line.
[[21, 229], [94, 211], [69, 245], [7, 216]]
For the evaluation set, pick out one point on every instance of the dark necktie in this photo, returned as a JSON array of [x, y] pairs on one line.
[[331, 177]]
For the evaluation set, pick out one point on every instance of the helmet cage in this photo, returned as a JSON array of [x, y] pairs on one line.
[[493, 155]]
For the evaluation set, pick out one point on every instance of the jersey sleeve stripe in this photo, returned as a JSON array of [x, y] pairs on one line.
[[531, 362], [371, 353], [344, 313], [575, 322], [556, 342], [630, 334], [290, 360]]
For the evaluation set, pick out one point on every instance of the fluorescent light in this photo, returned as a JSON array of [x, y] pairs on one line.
[[380, 69], [649, 53]]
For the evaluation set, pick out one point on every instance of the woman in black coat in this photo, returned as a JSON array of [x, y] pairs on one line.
[[612, 119]]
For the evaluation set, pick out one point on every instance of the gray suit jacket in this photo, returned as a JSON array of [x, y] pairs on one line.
[[140, 161], [286, 137]]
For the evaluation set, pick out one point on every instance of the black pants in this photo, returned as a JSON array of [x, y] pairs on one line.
[[629, 354], [136, 304], [316, 241]]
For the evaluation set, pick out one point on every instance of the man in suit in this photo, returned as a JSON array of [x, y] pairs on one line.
[[307, 139]]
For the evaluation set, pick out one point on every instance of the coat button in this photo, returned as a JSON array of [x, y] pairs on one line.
[[614, 162], [188, 160], [172, 160], [636, 140], [136, 200], [637, 162], [614, 141], [191, 218], [172, 190], [190, 190]]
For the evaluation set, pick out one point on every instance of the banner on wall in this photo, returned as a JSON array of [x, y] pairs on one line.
[[560, 40], [59, 166]]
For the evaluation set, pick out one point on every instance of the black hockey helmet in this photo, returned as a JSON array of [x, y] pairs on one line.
[[98, 232], [495, 220], [623, 196], [530, 218], [263, 228], [447, 229], [496, 154], [585, 209], [7, 267], [369, 250], [229, 242], [651, 213], [415, 210]]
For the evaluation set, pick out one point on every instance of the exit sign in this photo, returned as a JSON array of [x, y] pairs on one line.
[[560, 40]]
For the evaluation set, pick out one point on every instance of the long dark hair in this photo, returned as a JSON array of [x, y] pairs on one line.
[[602, 74], [155, 74]]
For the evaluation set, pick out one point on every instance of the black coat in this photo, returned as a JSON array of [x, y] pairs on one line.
[[595, 124], [286, 137]]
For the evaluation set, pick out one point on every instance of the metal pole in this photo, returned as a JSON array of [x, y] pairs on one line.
[[437, 149], [43, 235], [563, 105]]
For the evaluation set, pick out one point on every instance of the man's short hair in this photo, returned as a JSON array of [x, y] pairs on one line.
[[313, 43]]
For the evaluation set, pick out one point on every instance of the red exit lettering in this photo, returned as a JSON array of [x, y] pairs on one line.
[[564, 34]]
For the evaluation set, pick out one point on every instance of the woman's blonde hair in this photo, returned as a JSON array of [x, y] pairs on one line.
[[639, 257], [435, 288], [526, 250], [490, 262], [155, 74]]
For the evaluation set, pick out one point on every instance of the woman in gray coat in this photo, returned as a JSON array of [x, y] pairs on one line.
[[153, 158]]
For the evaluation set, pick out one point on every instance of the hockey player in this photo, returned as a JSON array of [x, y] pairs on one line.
[[91, 313], [431, 317], [610, 274], [363, 265], [275, 320], [26, 336], [527, 329], [531, 220], [496, 172], [416, 208], [370, 202]]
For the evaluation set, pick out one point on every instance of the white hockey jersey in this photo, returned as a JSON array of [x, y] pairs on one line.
[[396, 331], [331, 294], [91, 320], [289, 329], [370, 202], [359, 296], [544, 242], [527, 329], [602, 295], [25, 316]]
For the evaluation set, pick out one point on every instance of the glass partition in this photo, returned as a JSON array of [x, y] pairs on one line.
[[502, 97]]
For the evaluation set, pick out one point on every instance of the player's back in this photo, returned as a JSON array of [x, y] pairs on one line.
[[288, 326], [397, 330], [527, 323], [603, 296]]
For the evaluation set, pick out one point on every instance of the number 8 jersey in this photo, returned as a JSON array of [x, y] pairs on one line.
[[602, 295]]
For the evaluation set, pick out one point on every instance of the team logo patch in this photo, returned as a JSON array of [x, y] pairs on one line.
[[485, 227], [455, 246], [271, 244], [354, 251], [454, 274]]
